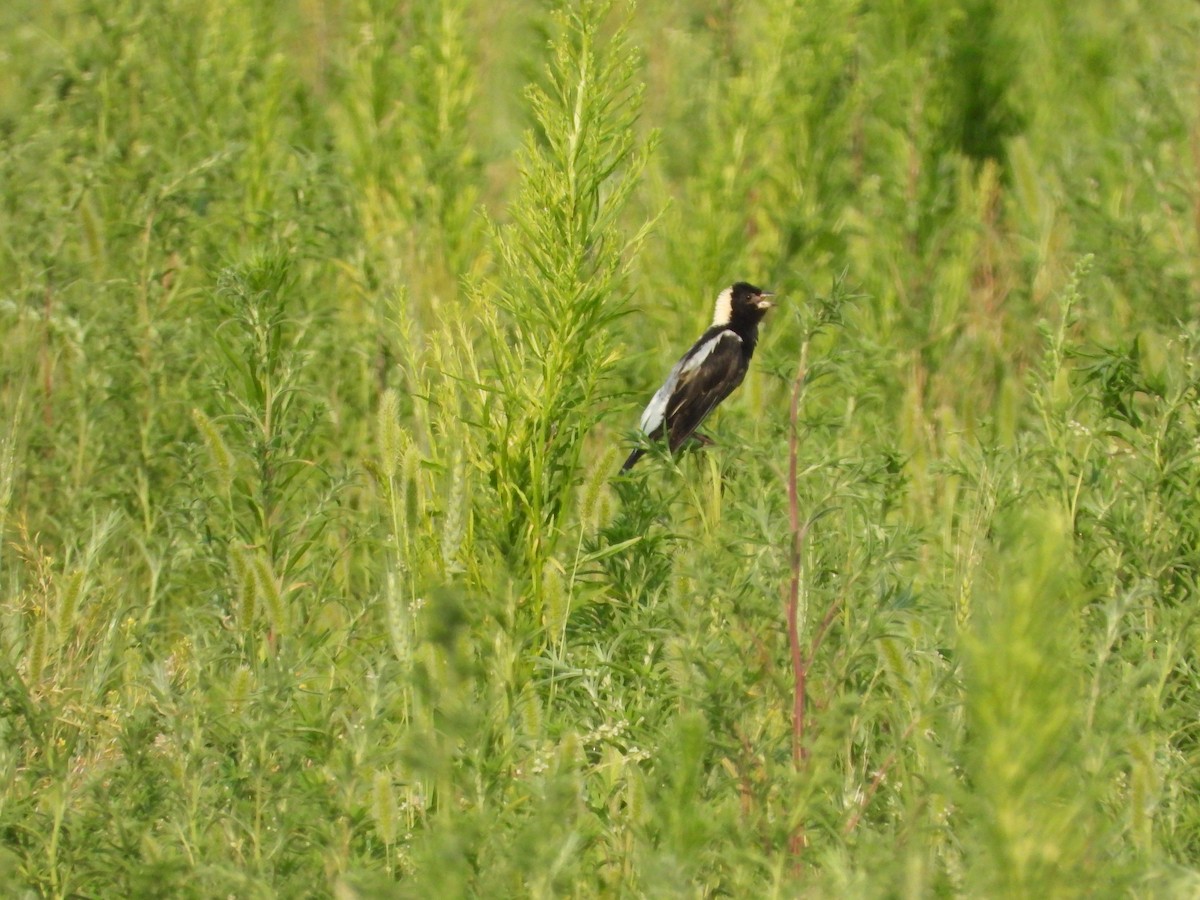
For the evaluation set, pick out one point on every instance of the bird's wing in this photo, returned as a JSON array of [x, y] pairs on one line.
[[656, 410], [706, 376]]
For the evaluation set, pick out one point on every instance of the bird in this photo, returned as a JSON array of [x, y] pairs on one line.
[[707, 373]]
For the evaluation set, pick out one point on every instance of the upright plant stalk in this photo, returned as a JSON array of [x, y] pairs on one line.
[[265, 496], [560, 283], [798, 532], [802, 658]]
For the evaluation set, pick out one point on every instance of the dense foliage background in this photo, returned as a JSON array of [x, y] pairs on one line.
[[324, 327]]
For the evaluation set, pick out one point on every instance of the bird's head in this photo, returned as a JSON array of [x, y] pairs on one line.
[[743, 302]]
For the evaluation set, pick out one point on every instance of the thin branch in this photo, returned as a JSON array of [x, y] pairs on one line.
[[798, 839], [799, 668], [877, 780]]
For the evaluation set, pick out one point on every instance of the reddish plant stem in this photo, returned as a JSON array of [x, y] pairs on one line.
[[798, 839], [47, 359], [801, 660], [799, 669], [793, 595], [799, 676]]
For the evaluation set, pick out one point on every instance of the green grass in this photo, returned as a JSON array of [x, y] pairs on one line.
[[325, 327]]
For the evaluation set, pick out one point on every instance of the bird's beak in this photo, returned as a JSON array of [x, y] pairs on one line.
[[762, 302]]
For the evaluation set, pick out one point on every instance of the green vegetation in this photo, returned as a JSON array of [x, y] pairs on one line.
[[324, 328]]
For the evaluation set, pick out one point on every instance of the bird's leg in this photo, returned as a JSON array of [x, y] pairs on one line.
[[702, 439]]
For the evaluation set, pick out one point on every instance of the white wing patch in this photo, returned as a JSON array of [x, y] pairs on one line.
[[656, 409], [698, 355]]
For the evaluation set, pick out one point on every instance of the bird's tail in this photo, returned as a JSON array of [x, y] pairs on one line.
[[633, 458]]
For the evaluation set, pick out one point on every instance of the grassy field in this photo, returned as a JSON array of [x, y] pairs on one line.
[[325, 326]]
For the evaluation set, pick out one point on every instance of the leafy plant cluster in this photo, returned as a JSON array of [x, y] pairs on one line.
[[324, 329]]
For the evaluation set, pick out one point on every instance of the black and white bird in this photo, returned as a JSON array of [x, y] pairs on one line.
[[709, 372]]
